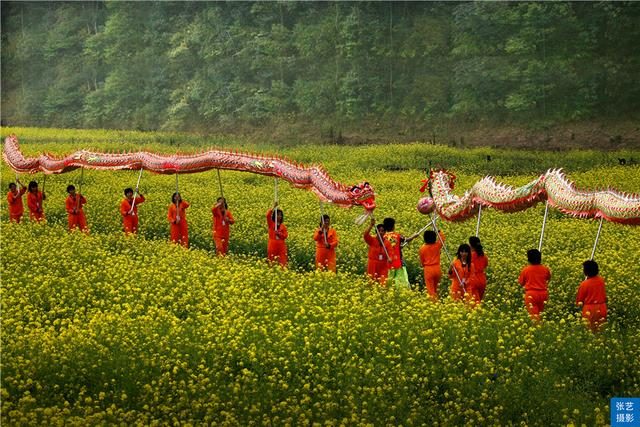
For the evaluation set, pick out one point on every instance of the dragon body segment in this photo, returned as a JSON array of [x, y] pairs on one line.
[[553, 186], [309, 177]]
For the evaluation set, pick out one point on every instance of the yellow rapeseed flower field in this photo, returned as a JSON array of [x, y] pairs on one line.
[[113, 329]]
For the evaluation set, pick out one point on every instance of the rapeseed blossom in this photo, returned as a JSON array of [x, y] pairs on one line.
[[115, 329]]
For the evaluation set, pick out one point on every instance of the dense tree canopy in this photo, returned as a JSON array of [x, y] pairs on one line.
[[194, 65]]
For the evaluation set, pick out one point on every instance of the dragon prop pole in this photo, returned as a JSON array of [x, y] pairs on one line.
[[544, 224], [324, 232], [44, 182], [433, 222], [135, 193], [595, 244], [416, 234], [381, 240], [220, 184], [177, 202], [478, 223], [79, 196], [275, 202]]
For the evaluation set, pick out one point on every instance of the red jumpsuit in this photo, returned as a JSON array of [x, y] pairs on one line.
[[326, 257], [593, 298], [479, 284], [16, 208], [276, 246], [430, 261], [130, 218], [377, 263], [221, 222], [535, 279], [34, 202], [75, 217], [178, 219], [466, 273]]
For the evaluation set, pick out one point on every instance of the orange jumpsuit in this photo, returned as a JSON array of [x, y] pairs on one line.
[[277, 247], [377, 265], [466, 273], [75, 217], [479, 284], [34, 202], [326, 257], [129, 218], [592, 296], [221, 224], [16, 208], [179, 227], [535, 279], [430, 261]]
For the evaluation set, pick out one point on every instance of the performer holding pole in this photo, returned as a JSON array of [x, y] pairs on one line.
[[73, 206], [378, 259], [34, 202], [14, 200], [430, 261], [535, 279], [179, 228], [461, 273], [129, 209], [326, 242], [276, 245], [222, 219], [592, 296]]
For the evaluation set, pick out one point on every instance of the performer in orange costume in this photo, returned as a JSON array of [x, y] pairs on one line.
[[393, 242], [129, 211], [276, 247], [480, 262], [462, 264], [535, 279], [430, 261], [326, 242], [75, 213], [592, 296], [377, 260], [178, 219], [34, 202], [14, 198], [222, 218]]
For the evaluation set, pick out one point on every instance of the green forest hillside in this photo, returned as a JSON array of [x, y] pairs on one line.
[[346, 71]]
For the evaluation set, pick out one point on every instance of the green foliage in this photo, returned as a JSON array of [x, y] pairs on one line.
[[195, 65]]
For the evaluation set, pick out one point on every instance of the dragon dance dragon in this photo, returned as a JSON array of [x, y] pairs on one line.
[[309, 177], [553, 187]]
